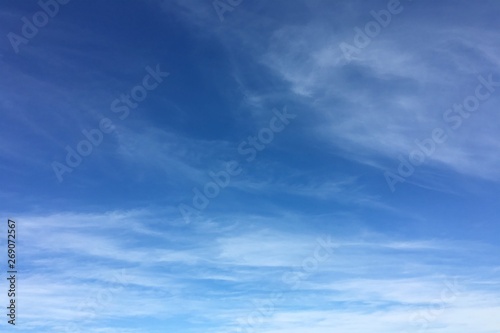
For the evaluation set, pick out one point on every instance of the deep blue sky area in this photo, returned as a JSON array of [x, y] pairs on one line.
[[252, 166]]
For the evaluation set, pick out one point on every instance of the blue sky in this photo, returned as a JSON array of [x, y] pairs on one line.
[[252, 166]]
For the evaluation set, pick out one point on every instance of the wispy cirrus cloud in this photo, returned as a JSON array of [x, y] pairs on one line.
[[385, 121], [249, 261]]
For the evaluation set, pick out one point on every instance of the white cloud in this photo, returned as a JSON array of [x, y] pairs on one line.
[[142, 275], [395, 92]]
